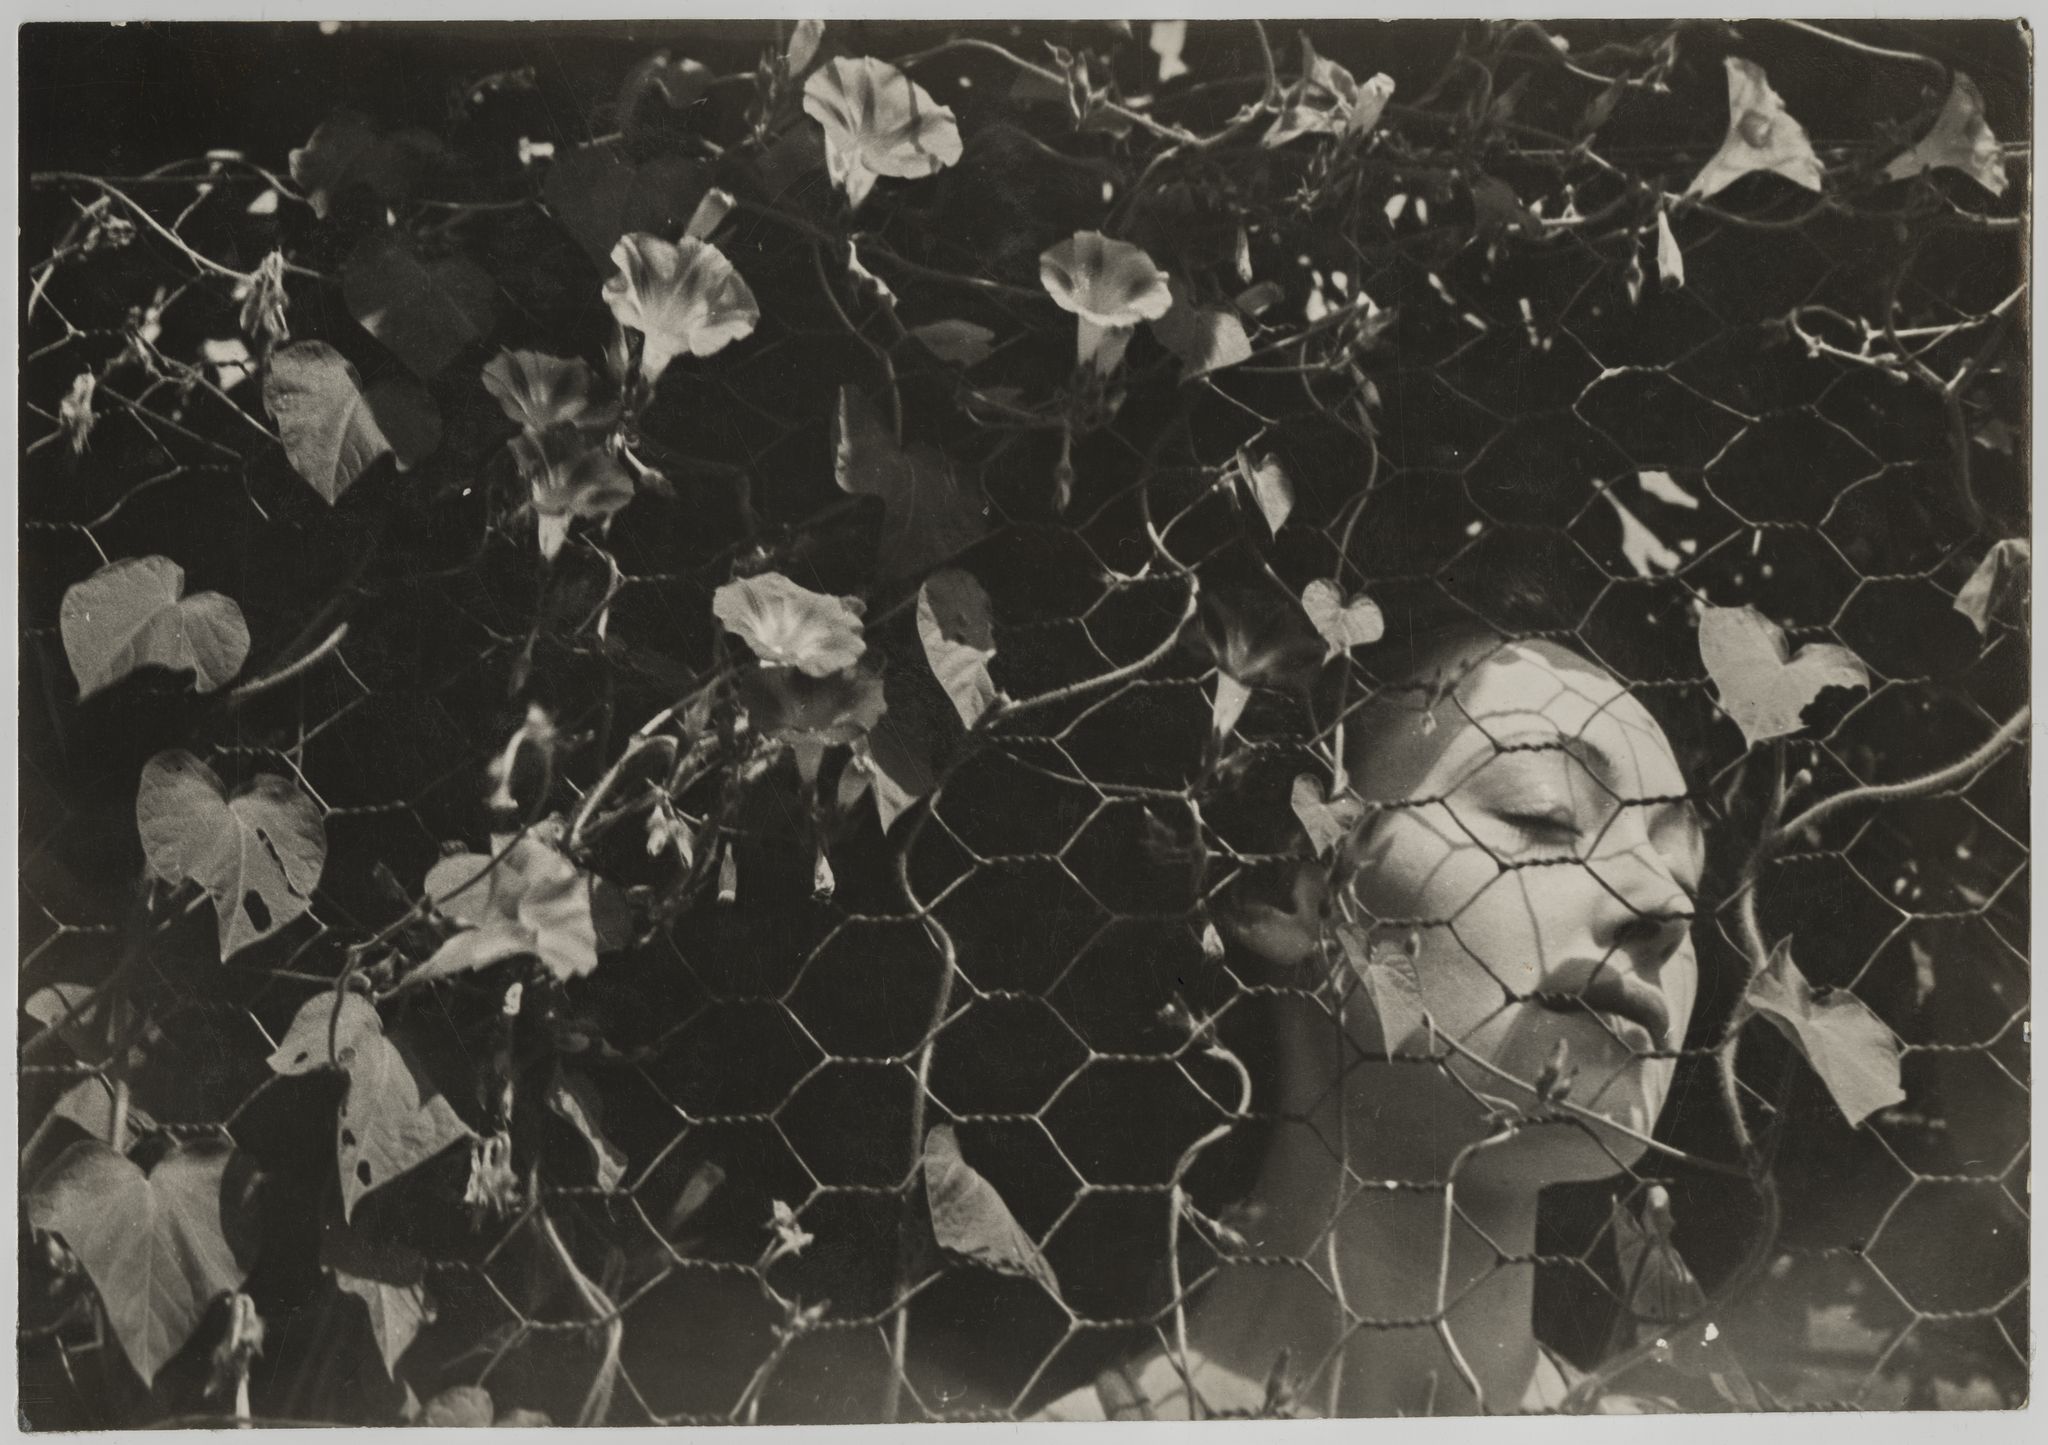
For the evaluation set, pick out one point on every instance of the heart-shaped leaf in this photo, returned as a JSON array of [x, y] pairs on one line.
[[897, 763], [1326, 100], [960, 342], [1856, 1056], [1395, 991], [89, 1104], [345, 150], [66, 1008], [158, 1247], [787, 625], [597, 195], [394, 1118], [1270, 487], [258, 853], [390, 1280], [957, 627], [1205, 339], [330, 434], [1326, 821], [426, 312], [575, 1099], [133, 613], [684, 298], [1960, 141], [1759, 688], [877, 122], [928, 516], [1999, 585], [1762, 136], [1342, 624], [970, 1219], [407, 416], [539, 391]]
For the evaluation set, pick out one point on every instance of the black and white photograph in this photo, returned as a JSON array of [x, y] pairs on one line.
[[776, 721]]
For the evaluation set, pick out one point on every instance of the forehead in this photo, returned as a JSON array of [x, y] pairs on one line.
[[1489, 694]]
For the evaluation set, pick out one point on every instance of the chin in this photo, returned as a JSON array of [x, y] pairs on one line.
[[1611, 1086]]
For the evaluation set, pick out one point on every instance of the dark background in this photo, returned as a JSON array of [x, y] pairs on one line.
[[1929, 1196]]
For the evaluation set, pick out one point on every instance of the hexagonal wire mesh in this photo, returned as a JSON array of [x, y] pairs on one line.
[[1059, 952]]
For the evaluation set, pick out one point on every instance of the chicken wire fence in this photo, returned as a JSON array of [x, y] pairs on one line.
[[695, 1184]]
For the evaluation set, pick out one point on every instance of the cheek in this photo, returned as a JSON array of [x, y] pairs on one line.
[[1680, 980]]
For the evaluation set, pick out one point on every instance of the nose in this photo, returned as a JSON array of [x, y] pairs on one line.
[[1643, 914]]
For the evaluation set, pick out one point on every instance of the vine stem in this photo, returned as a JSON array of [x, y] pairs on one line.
[[1934, 782], [197, 258], [1178, 1203]]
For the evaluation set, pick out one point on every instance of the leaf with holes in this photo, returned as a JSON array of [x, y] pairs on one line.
[[1960, 141], [1760, 688], [318, 1038], [1326, 821], [877, 122], [1762, 136], [1998, 587], [425, 311], [1342, 625], [393, 1119], [928, 514], [575, 1099], [390, 1280], [958, 631], [970, 1219], [1850, 1047], [331, 436], [158, 1247], [134, 613], [683, 297], [258, 853], [539, 391]]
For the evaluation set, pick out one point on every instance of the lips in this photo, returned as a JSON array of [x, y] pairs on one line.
[[1619, 995]]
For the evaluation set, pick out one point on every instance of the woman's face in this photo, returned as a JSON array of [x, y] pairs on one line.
[[1535, 851]]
